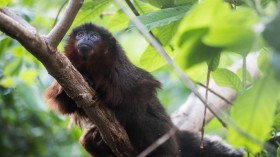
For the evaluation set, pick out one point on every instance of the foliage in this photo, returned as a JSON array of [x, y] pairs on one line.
[[199, 36]]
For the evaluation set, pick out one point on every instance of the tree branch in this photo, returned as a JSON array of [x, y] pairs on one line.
[[60, 29], [15, 17], [44, 49]]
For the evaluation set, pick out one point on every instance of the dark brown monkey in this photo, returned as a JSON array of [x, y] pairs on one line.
[[130, 92]]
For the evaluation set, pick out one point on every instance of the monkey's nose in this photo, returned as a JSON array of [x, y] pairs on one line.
[[84, 48]]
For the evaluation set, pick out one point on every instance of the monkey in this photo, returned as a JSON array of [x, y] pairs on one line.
[[131, 93]]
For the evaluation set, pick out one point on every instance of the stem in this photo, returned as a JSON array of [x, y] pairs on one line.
[[205, 109], [244, 73]]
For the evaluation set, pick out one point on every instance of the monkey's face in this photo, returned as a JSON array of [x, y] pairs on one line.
[[91, 42], [86, 41]]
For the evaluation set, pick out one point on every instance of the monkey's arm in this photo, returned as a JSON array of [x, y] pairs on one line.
[[58, 100]]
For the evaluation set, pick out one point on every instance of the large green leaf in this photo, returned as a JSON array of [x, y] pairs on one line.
[[227, 78], [118, 21], [253, 112], [232, 30], [191, 31], [211, 27], [90, 10], [202, 15], [192, 50], [162, 17], [151, 60], [166, 33], [144, 7]]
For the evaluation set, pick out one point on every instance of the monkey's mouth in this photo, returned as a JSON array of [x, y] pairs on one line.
[[84, 49]]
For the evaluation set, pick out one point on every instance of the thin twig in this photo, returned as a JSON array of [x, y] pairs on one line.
[[215, 93], [158, 142], [59, 11], [205, 109], [131, 6]]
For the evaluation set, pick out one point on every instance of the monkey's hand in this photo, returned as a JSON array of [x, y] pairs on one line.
[[53, 91], [92, 141]]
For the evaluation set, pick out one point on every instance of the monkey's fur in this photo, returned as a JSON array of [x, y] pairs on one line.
[[130, 92]]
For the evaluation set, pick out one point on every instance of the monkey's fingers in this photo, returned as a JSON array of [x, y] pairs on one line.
[[88, 135]]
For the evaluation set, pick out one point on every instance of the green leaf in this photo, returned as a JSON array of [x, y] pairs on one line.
[[13, 67], [162, 17], [28, 76], [197, 72], [18, 51], [191, 31], [4, 44], [161, 3], [180, 2], [7, 82], [143, 7], [151, 60], [90, 10], [4, 3], [271, 32], [253, 112], [276, 122], [166, 33], [213, 63], [192, 50], [227, 78], [201, 16], [232, 30], [263, 61], [118, 21]]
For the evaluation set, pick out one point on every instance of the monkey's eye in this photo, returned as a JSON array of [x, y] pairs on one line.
[[80, 34], [94, 35]]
